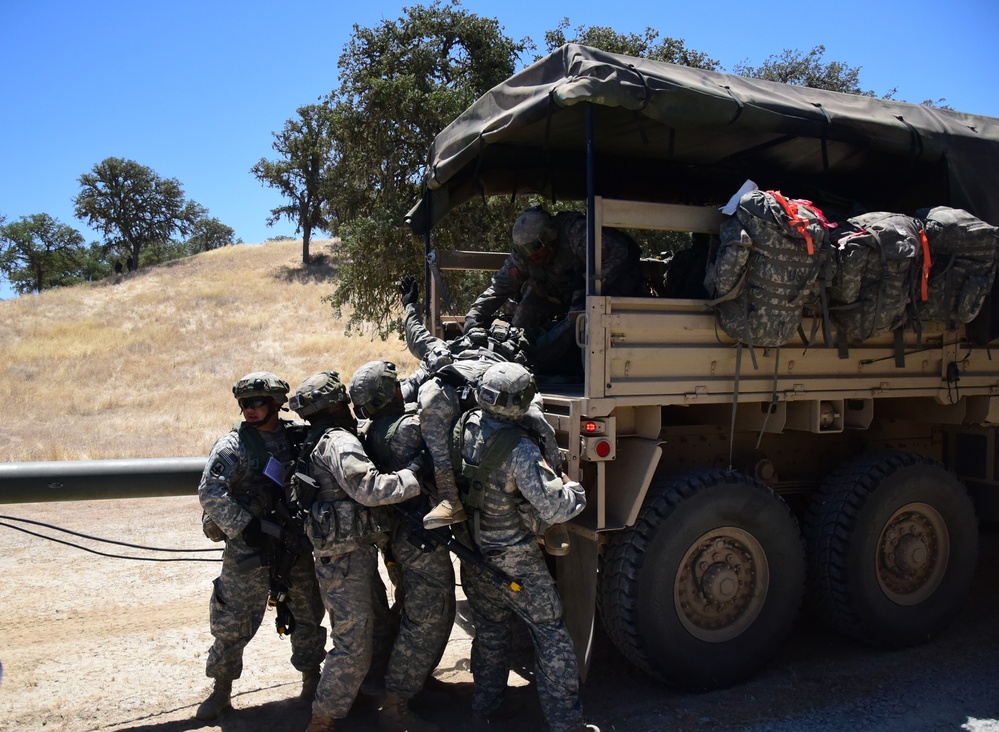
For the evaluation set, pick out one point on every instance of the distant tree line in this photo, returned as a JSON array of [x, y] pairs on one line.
[[144, 219]]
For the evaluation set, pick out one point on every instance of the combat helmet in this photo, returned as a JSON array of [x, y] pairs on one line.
[[373, 386], [261, 384], [318, 392], [532, 230], [506, 390]]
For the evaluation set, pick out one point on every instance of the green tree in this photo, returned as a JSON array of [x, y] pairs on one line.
[[37, 252], [210, 233], [401, 83], [302, 172], [134, 208], [645, 45], [808, 69]]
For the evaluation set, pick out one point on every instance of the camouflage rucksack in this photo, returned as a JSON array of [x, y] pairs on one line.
[[765, 268]]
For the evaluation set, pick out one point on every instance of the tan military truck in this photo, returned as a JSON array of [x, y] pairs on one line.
[[727, 483]]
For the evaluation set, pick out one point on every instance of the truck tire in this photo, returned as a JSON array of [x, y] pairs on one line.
[[892, 543], [704, 588]]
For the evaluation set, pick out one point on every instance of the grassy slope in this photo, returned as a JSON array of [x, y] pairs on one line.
[[143, 366]]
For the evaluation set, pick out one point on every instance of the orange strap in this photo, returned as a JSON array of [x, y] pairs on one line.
[[926, 265], [800, 223]]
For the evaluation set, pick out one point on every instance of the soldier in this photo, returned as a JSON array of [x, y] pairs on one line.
[[545, 274], [235, 493], [512, 488], [393, 440], [344, 525]]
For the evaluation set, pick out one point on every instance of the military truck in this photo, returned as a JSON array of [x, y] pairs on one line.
[[727, 484]]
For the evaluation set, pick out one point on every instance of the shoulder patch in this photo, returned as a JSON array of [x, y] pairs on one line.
[[225, 460]]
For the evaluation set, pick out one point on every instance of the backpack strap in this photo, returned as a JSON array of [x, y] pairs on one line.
[[472, 478]]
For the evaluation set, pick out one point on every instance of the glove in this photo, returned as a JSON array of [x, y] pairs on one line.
[[253, 534], [416, 466], [410, 291]]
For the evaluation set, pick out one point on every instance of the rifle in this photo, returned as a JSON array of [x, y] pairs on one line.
[[427, 540]]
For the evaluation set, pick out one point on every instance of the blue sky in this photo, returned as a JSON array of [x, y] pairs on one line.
[[194, 89]]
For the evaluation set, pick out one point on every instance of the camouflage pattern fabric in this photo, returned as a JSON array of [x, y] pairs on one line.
[[877, 270], [494, 610], [763, 272], [231, 493], [427, 591], [555, 287], [963, 252], [346, 582]]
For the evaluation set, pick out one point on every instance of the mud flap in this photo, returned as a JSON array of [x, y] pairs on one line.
[[576, 574]]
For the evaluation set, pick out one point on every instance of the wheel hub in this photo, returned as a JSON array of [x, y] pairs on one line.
[[913, 553], [721, 584]]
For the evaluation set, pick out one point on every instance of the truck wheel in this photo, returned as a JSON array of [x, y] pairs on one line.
[[892, 545], [706, 585]]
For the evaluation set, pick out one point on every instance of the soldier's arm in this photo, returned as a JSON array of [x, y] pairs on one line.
[[554, 499], [418, 338], [506, 284], [226, 464], [342, 454]]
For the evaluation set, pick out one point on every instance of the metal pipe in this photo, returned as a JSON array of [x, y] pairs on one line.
[[86, 480]]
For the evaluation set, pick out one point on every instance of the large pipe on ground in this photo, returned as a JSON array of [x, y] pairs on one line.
[[85, 480]]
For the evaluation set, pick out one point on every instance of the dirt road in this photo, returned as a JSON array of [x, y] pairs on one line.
[[96, 643]]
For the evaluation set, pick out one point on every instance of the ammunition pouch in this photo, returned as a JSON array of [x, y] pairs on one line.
[[337, 522]]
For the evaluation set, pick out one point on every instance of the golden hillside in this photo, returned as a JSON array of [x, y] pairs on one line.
[[142, 365]]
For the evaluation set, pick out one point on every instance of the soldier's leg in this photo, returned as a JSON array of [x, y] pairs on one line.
[[427, 616], [308, 642], [490, 660], [538, 604], [439, 409], [239, 600], [384, 627], [345, 583]]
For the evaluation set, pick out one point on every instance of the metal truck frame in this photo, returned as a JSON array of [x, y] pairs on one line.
[[719, 491]]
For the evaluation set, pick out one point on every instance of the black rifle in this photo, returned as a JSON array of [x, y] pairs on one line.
[[429, 539]]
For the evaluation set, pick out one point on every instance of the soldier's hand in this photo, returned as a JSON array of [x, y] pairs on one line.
[[410, 290], [416, 465], [253, 534]]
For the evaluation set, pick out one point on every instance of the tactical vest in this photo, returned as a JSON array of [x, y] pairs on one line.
[[256, 492], [336, 522]]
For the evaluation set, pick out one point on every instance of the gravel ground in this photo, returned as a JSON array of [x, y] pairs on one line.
[[96, 643]]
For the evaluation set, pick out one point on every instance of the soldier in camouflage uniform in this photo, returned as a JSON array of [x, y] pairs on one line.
[[517, 490], [548, 265], [235, 494], [345, 522], [446, 367], [393, 439]]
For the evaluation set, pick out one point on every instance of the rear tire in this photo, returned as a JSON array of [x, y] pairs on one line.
[[892, 546], [706, 585]]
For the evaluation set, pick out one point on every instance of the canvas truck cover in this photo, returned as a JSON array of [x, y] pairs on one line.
[[675, 134]]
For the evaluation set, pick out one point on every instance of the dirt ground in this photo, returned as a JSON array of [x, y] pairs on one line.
[[97, 643]]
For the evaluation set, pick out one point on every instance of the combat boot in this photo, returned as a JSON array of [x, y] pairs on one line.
[[310, 682], [556, 538], [585, 727], [448, 509], [321, 724], [396, 716], [218, 702]]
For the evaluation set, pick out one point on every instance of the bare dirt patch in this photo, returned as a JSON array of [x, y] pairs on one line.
[[95, 643]]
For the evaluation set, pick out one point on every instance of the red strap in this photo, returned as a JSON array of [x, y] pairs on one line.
[[800, 223], [926, 265]]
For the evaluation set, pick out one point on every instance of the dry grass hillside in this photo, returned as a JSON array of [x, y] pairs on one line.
[[142, 365]]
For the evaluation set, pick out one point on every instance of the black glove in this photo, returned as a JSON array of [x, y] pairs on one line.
[[416, 465], [410, 291], [253, 534]]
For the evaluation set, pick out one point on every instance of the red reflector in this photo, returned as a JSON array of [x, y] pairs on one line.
[[603, 448]]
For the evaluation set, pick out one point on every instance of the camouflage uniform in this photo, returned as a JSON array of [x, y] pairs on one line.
[[393, 440], [232, 492], [551, 289], [344, 526], [523, 490]]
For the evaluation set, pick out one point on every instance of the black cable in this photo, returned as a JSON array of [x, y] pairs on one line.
[[97, 538]]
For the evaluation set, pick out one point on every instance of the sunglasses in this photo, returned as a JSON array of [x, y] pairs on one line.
[[252, 402]]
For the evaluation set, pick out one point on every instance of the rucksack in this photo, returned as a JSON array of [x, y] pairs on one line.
[[964, 264], [765, 268]]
